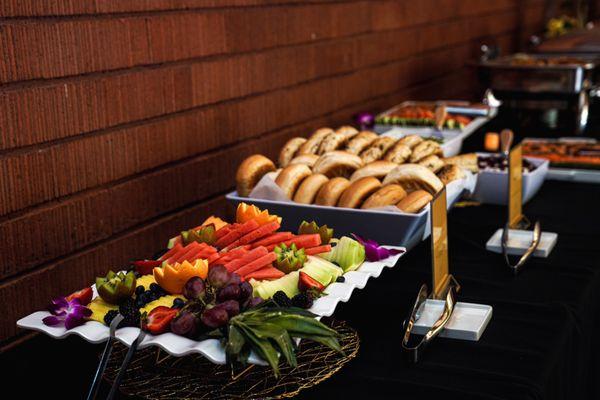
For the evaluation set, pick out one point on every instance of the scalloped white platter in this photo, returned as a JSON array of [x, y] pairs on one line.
[[178, 346]]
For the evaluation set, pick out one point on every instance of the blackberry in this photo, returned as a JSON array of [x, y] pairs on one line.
[[139, 290], [126, 306], [302, 300], [340, 279], [282, 299], [130, 313], [108, 318], [139, 303], [178, 303]]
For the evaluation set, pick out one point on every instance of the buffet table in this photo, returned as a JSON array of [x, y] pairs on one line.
[[540, 341]]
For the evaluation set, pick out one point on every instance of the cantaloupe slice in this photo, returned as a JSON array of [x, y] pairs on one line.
[[216, 221], [246, 212], [173, 277]]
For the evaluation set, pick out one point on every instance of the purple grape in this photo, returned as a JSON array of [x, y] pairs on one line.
[[185, 324], [215, 317], [218, 276], [245, 291], [194, 288], [253, 302], [235, 278], [231, 306], [229, 292]]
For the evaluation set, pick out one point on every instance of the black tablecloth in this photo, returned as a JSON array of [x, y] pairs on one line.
[[539, 344]]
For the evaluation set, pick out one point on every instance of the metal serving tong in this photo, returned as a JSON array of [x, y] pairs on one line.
[[537, 233], [415, 352], [125, 364], [105, 357]]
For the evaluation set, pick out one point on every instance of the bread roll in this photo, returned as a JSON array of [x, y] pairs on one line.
[[308, 189], [411, 141], [450, 173], [250, 171], [337, 163], [379, 169], [291, 177], [386, 196], [413, 177], [306, 159], [358, 191], [424, 149], [467, 161], [361, 141], [398, 154], [414, 201], [330, 192], [311, 146], [377, 149], [433, 163], [289, 149], [331, 142], [348, 131]]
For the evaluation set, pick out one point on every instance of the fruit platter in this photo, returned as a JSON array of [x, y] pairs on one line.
[[244, 292]]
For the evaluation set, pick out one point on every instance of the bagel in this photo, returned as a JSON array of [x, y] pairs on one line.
[[377, 149], [337, 163], [433, 163], [449, 173], [415, 201], [361, 141], [291, 177], [386, 196], [411, 140], [289, 149], [308, 189], [424, 149], [311, 146], [379, 169], [306, 159], [250, 171], [413, 177], [358, 191], [348, 131], [467, 161], [398, 154], [331, 142], [330, 192]]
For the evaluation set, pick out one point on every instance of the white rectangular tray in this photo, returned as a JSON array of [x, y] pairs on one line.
[[176, 345], [519, 241], [574, 175], [468, 321]]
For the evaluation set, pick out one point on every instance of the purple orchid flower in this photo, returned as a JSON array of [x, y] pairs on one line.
[[365, 120], [71, 313], [375, 252]]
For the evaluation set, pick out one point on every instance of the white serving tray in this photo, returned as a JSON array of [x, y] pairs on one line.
[[574, 175], [520, 240], [176, 345], [451, 146], [492, 185], [468, 321]]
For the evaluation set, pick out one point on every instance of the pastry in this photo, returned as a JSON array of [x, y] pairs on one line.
[[449, 173], [377, 149], [306, 159], [467, 161], [311, 146], [386, 196], [337, 163], [358, 191], [361, 141], [331, 142], [330, 192], [411, 141], [413, 177], [398, 154], [348, 131], [433, 162], [379, 169], [415, 201], [291, 177], [308, 189], [250, 171], [289, 149], [424, 149]]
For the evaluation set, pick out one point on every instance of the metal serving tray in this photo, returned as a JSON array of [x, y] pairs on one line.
[[501, 74]]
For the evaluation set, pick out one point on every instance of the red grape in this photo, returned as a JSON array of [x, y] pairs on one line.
[[215, 317], [229, 292], [185, 324], [245, 291], [194, 288], [231, 306], [218, 276]]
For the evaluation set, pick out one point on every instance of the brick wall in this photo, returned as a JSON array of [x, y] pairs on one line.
[[122, 122]]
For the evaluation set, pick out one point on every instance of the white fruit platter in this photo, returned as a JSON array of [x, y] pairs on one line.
[[337, 288]]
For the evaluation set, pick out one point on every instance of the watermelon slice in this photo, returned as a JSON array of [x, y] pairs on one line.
[[213, 257], [317, 250], [237, 233], [266, 273], [176, 249], [190, 249], [261, 232], [246, 258], [225, 257], [275, 238], [256, 264], [305, 241]]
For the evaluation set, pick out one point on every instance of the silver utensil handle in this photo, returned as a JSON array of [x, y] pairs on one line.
[[105, 357], [125, 364]]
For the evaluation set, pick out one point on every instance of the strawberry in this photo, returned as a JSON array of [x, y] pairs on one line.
[[305, 283], [145, 267], [159, 320], [84, 296]]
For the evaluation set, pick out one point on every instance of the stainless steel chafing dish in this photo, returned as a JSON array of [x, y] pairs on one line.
[[543, 81]]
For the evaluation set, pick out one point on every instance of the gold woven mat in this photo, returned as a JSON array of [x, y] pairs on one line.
[[153, 374]]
